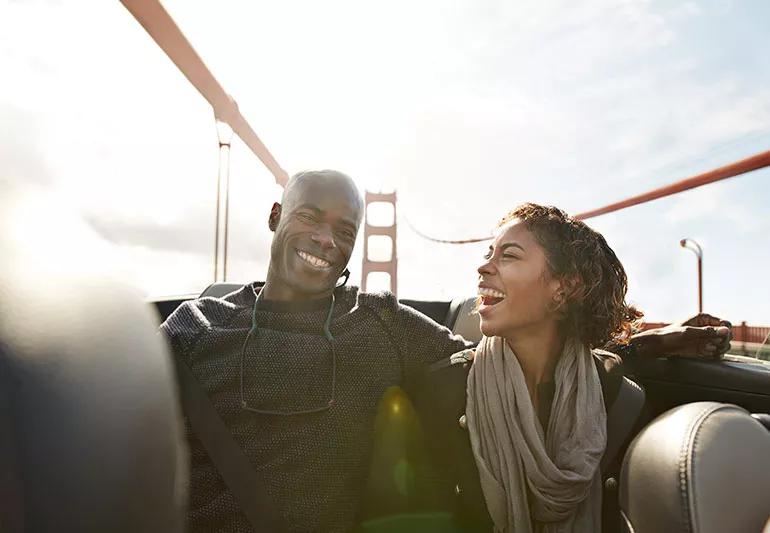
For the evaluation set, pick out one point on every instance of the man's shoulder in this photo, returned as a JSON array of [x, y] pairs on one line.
[[382, 303], [195, 316], [377, 301], [390, 310]]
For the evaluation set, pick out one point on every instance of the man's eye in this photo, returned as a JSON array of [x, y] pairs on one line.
[[346, 234], [305, 217], [487, 255], [511, 256]]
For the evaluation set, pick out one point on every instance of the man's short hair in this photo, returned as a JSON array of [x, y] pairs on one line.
[[325, 174]]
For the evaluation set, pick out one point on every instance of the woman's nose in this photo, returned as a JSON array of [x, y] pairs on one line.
[[486, 267]]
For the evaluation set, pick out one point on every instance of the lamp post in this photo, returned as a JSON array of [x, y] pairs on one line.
[[224, 136], [698, 251]]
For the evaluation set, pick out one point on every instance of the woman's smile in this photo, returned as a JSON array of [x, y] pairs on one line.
[[490, 297]]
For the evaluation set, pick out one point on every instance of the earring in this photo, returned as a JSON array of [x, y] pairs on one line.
[[555, 302]]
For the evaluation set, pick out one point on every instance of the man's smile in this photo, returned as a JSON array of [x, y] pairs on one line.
[[314, 261]]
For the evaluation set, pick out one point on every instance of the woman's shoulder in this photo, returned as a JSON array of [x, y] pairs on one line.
[[458, 361], [610, 369], [608, 362], [442, 387]]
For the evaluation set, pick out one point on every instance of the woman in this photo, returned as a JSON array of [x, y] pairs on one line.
[[533, 392]]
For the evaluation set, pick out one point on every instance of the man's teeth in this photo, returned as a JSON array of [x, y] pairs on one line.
[[313, 260], [483, 291]]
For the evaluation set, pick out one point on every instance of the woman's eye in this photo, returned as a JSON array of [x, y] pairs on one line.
[[488, 256], [511, 256]]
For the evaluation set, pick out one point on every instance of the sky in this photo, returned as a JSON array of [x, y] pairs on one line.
[[466, 109]]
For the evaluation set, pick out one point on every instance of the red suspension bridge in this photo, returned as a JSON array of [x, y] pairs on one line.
[[161, 27]]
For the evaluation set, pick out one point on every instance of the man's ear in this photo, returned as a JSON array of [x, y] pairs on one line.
[[275, 216]]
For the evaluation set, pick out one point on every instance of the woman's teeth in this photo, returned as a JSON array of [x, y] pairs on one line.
[[491, 293], [313, 260]]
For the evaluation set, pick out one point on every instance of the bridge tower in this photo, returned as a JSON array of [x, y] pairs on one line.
[[390, 266]]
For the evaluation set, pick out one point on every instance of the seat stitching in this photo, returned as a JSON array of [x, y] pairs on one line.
[[628, 523], [686, 463]]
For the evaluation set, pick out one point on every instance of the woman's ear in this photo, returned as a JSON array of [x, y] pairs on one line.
[[571, 285], [556, 295], [275, 216], [557, 300], [566, 289]]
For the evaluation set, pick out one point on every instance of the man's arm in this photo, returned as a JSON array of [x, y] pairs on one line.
[[419, 340], [423, 341], [703, 336]]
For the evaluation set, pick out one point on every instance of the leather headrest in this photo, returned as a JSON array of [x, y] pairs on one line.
[[220, 289], [90, 432], [465, 320], [701, 467]]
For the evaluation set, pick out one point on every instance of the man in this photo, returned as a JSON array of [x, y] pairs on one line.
[[296, 369]]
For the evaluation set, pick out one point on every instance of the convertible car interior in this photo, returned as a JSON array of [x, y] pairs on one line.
[[704, 424], [91, 426], [91, 438]]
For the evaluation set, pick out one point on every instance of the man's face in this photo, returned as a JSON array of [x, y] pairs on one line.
[[314, 237]]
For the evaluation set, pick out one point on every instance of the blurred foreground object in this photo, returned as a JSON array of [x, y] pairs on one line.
[[90, 434]]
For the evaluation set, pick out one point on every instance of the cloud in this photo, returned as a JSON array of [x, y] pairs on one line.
[[191, 233], [467, 109]]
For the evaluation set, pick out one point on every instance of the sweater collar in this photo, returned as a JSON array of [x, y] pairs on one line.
[[290, 306]]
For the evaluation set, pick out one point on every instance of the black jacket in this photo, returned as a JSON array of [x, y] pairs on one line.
[[441, 404]]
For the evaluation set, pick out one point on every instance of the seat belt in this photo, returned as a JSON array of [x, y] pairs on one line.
[[621, 418], [239, 475]]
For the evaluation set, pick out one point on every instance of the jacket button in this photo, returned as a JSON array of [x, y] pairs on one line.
[[458, 490], [611, 483], [463, 422]]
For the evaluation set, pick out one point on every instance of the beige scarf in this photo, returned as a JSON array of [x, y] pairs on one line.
[[536, 482]]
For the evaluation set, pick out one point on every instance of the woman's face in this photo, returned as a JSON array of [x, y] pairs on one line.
[[516, 288]]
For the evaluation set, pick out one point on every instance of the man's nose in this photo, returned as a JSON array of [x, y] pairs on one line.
[[324, 237]]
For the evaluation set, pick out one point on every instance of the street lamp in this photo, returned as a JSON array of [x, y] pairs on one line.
[[698, 251]]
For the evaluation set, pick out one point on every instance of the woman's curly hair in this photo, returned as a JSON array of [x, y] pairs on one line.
[[595, 308]]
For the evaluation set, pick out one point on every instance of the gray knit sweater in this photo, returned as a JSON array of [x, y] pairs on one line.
[[314, 466]]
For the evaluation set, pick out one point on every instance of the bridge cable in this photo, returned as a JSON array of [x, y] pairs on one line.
[[743, 166], [158, 23]]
